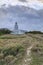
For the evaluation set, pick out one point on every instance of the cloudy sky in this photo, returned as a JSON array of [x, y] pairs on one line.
[[37, 4], [28, 14]]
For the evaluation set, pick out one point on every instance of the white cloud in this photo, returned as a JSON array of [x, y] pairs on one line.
[[8, 2], [31, 3]]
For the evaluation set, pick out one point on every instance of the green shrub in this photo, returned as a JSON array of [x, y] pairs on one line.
[[13, 50], [4, 31], [1, 56], [9, 58], [34, 32]]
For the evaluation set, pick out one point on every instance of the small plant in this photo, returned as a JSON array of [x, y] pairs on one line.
[[1, 56], [13, 50], [9, 58]]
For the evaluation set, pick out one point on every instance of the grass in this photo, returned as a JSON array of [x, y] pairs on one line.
[[13, 49], [37, 54], [11, 52], [11, 36]]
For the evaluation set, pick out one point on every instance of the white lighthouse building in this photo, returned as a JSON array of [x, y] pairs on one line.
[[17, 30]]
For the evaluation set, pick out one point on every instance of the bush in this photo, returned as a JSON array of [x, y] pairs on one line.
[[13, 50], [4, 31], [34, 32], [1, 56], [9, 58], [37, 48]]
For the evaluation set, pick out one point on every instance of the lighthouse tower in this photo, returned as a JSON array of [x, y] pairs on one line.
[[16, 28]]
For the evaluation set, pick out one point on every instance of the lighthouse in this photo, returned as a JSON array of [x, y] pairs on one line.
[[16, 30]]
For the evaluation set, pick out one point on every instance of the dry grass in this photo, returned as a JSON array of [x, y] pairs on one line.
[[13, 42]]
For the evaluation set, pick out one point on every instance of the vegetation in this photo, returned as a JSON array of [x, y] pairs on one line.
[[4, 31], [11, 52], [34, 32], [37, 54], [14, 49]]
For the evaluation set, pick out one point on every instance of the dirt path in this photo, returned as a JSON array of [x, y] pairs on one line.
[[28, 58]]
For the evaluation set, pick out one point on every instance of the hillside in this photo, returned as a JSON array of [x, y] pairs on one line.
[[25, 49]]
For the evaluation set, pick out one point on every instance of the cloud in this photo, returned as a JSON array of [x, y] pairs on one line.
[[23, 0], [27, 18], [35, 4]]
